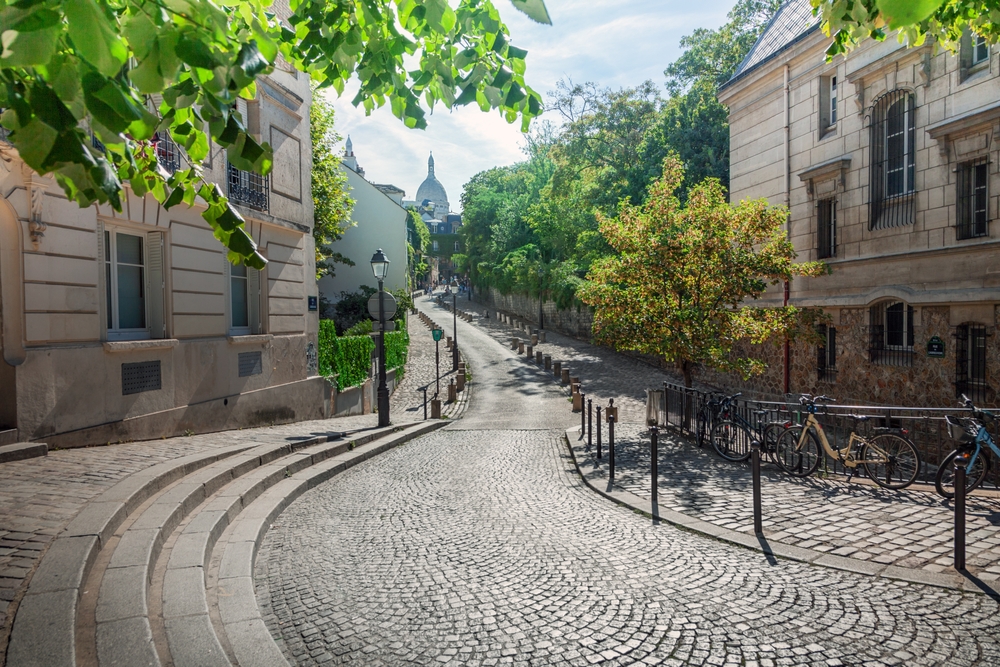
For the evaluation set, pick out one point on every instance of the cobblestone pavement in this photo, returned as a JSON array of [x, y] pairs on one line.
[[407, 402], [480, 545], [860, 520]]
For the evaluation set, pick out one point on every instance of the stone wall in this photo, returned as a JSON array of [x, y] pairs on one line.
[[575, 321]]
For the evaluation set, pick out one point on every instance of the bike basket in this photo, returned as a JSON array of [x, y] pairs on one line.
[[962, 430]]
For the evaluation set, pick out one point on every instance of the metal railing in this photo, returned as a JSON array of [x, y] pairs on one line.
[[677, 407], [249, 189], [168, 154]]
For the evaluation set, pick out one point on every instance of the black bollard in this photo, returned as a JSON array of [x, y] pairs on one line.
[[653, 462], [424, 389], [961, 461], [598, 433], [590, 422], [758, 526], [583, 416], [611, 448]]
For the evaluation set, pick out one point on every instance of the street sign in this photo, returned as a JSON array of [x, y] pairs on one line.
[[935, 347], [437, 333], [390, 306]]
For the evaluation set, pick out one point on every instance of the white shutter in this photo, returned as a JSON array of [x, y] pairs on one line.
[[155, 280], [253, 300]]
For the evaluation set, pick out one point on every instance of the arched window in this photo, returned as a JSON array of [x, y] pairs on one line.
[[891, 334], [893, 152]]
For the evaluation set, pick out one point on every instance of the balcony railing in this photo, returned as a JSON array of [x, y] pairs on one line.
[[168, 154], [249, 189]]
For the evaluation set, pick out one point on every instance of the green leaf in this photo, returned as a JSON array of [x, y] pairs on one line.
[[502, 78], [241, 243], [514, 52], [94, 36], [141, 33], [196, 53], [50, 109], [468, 95], [176, 195], [40, 19], [27, 49], [250, 63], [229, 219], [34, 142], [535, 9], [440, 15]]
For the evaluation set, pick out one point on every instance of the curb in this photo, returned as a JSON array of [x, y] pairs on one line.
[[597, 480]]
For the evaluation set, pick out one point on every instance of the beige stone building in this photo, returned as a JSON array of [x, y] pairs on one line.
[[887, 161], [133, 325]]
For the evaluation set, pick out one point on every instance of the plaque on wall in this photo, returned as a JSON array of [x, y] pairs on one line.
[[935, 347]]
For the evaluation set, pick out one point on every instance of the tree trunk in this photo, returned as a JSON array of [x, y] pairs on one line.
[[686, 370]]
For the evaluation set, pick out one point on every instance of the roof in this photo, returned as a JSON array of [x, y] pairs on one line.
[[793, 21]]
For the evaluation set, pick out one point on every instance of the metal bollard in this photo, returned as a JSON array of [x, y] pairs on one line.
[[961, 461], [653, 462], [583, 416], [611, 448], [598, 433], [758, 527], [590, 422], [424, 389]]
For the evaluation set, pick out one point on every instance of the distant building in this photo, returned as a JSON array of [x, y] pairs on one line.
[[432, 203]]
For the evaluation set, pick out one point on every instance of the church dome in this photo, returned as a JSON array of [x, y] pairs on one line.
[[431, 189]]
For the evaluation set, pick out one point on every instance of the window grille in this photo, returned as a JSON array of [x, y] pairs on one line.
[[167, 153], [893, 160], [970, 361], [826, 228], [833, 100], [826, 354], [891, 334], [973, 199], [140, 377], [249, 189], [250, 364]]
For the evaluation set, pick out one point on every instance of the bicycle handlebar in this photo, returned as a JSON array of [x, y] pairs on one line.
[[807, 399], [978, 413]]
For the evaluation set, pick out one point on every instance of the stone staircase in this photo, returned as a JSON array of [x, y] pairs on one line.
[[158, 570]]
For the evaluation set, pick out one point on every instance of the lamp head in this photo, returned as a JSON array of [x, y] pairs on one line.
[[380, 265]]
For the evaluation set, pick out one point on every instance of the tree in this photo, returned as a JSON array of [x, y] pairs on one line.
[[332, 205], [125, 70], [682, 281], [917, 20]]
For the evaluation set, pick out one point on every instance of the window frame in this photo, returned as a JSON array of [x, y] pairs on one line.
[[826, 354], [829, 235], [242, 330], [979, 51], [892, 206], [828, 105], [112, 319], [970, 367], [967, 184], [883, 352]]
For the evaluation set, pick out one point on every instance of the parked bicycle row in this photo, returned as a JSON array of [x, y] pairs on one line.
[[813, 435]]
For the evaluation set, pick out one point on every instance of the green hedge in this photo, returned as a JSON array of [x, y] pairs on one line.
[[397, 345], [347, 357]]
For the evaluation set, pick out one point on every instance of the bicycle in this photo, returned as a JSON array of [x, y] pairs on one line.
[[971, 436], [889, 458], [732, 436], [706, 418]]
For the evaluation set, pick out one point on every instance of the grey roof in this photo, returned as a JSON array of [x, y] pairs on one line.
[[793, 20], [431, 189]]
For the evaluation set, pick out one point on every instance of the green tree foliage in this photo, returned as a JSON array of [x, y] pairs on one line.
[[850, 21], [682, 274], [332, 205], [397, 347], [418, 245], [127, 69]]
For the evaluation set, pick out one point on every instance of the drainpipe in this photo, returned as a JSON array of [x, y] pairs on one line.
[[788, 222]]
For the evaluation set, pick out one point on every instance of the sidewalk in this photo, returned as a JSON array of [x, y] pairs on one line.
[[39, 497], [857, 522]]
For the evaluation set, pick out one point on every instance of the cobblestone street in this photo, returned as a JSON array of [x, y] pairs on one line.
[[480, 545]]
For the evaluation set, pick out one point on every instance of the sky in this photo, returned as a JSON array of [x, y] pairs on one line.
[[615, 43]]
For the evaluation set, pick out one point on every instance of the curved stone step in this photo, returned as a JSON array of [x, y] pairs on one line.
[[242, 625], [43, 634]]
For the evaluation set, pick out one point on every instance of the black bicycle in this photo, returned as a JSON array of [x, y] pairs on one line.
[[732, 434]]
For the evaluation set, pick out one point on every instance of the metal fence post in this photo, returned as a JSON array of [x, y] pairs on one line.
[[961, 461], [653, 462], [590, 422], [758, 527], [583, 413], [611, 447], [424, 389], [598, 433]]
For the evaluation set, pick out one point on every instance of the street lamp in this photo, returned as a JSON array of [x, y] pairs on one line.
[[438, 334], [454, 320], [380, 267]]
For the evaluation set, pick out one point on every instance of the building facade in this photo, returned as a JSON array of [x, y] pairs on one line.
[[887, 162], [133, 324]]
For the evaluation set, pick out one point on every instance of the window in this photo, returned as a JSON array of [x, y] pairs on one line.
[[125, 282], [891, 334], [970, 361], [826, 228], [980, 50], [973, 213], [893, 165], [827, 104], [457, 246], [826, 354], [435, 246], [167, 152], [249, 189], [239, 297]]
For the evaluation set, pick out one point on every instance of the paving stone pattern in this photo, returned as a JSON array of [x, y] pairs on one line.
[[907, 528], [482, 546]]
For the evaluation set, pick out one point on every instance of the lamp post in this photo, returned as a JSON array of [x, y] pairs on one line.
[[438, 335], [380, 267], [454, 321]]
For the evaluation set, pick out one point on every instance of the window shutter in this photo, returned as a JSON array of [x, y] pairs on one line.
[[155, 280], [253, 299], [831, 346], [102, 278]]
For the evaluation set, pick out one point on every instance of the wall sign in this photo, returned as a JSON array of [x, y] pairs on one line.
[[935, 347], [313, 303]]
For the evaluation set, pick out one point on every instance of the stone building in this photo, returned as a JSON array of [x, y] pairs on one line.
[[886, 159], [134, 325]]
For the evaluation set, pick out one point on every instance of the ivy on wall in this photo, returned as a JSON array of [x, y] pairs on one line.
[[349, 357]]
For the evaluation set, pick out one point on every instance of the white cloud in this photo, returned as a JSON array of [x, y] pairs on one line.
[[611, 42]]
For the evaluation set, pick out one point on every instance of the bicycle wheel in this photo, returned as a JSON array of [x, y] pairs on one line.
[[769, 439], [731, 441], [944, 482], [796, 461], [701, 427], [891, 461]]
